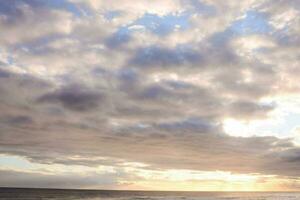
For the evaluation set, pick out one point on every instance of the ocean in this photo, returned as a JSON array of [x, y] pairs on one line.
[[60, 194]]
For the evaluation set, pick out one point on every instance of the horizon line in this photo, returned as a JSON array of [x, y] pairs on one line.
[[166, 191]]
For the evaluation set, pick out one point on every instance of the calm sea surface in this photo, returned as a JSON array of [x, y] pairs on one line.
[[45, 194]]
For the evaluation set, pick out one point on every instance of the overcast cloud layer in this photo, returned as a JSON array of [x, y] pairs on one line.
[[105, 83]]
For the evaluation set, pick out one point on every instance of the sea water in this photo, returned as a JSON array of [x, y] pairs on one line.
[[50, 194]]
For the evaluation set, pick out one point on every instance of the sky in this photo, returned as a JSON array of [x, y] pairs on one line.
[[198, 95]]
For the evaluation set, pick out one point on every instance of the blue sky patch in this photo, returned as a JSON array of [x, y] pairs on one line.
[[163, 25], [64, 5], [159, 25], [253, 23], [118, 38]]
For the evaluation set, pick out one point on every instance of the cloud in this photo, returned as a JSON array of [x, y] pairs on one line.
[[17, 16], [84, 80], [189, 140], [15, 120], [244, 109], [161, 57], [155, 7], [4, 74], [74, 98], [70, 180]]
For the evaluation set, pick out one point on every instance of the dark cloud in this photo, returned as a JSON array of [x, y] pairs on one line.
[[194, 125], [17, 120], [74, 98], [4, 74]]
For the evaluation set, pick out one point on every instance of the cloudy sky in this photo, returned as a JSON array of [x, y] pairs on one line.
[[152, 95]]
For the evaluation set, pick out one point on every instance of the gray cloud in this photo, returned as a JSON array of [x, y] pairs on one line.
[[17, 16], [181, 141], [13, 8], [18, 120], [12, 178], [74, 98], [4, 74], [246, 108]]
